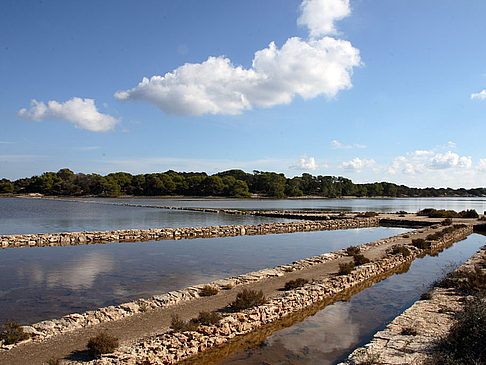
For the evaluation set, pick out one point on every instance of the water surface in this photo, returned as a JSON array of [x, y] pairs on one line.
[[38, 283], [22, 215]]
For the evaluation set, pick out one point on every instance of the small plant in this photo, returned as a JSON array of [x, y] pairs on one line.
[[406, 236], [346, 268], [248, 298], [397, 249], [426, 296], [470, 213], [360, 260], [143, 307], [208, 318], [179, 325], [421, 243], [288, 269], [446, 222], [353, 250], [13, 333], [102, 344], [297, 283], [409, 331], [208, 290]]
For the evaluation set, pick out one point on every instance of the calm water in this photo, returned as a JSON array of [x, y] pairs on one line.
[[48, 282], [20, 215], [94, 214], [410, 205], [332, 333]]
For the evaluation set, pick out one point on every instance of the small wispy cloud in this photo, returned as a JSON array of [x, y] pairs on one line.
[[479, 96], [335, 144]]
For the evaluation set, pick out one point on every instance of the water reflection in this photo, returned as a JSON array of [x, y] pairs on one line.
[[329, 335], [78, 273]]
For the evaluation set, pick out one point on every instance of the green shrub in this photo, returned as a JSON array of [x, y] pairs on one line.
[[353, 250], [13, 333], [208, 290], [426, 296], [297, 283], [446, 222], [470, 213], [360, 260], [103, 343], [434, 236], [248, 298], [421, 243], [398, 249], [346, 268], [208, 318]]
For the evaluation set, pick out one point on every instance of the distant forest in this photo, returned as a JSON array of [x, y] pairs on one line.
[[232, 183]]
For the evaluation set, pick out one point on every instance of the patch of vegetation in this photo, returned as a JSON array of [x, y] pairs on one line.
[[409, 331], [446, 222], [288, 269], [294, 284], [421, 243], [208, 318], [53, 361], [426, 296], [353, 250], [360, 260], [442, 213], [346, 268], [179, 325], [399, 249], [406, 236], [208, 290], [143, 307], [103, 343], [367, 214], [468, 281], [248, 298], [228, 286], [466, 341], [13, 333]]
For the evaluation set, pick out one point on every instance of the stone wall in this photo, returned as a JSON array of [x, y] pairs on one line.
[[137, 235], [172, 347], [429, 318]]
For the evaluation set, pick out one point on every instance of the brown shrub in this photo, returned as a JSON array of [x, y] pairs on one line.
[[248, 298], [297, 283], [102, 344], [13, 333], [346, 268], [208, 290]]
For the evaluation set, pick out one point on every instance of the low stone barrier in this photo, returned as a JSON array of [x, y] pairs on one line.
[[172, 347], [137, 235], [429, 319]]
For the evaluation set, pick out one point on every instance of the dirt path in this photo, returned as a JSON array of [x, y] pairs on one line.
[[72, 345]]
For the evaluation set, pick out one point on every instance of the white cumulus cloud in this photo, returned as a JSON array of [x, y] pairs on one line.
[[319, 15], [340, 146], [422, 161], [357, 164], [450, 159], [81, 112], [306, 68], [308, 163], [480, 96]]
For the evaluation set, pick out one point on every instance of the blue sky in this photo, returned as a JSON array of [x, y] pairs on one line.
[[373, 90]]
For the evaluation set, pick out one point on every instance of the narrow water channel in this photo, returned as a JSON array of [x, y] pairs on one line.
[[330, 335]]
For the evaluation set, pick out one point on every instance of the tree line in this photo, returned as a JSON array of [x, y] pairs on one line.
[[231, 183]]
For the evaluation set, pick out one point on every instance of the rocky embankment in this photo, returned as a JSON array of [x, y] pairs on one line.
[[137, 235], [409, 337], [171, 347]]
